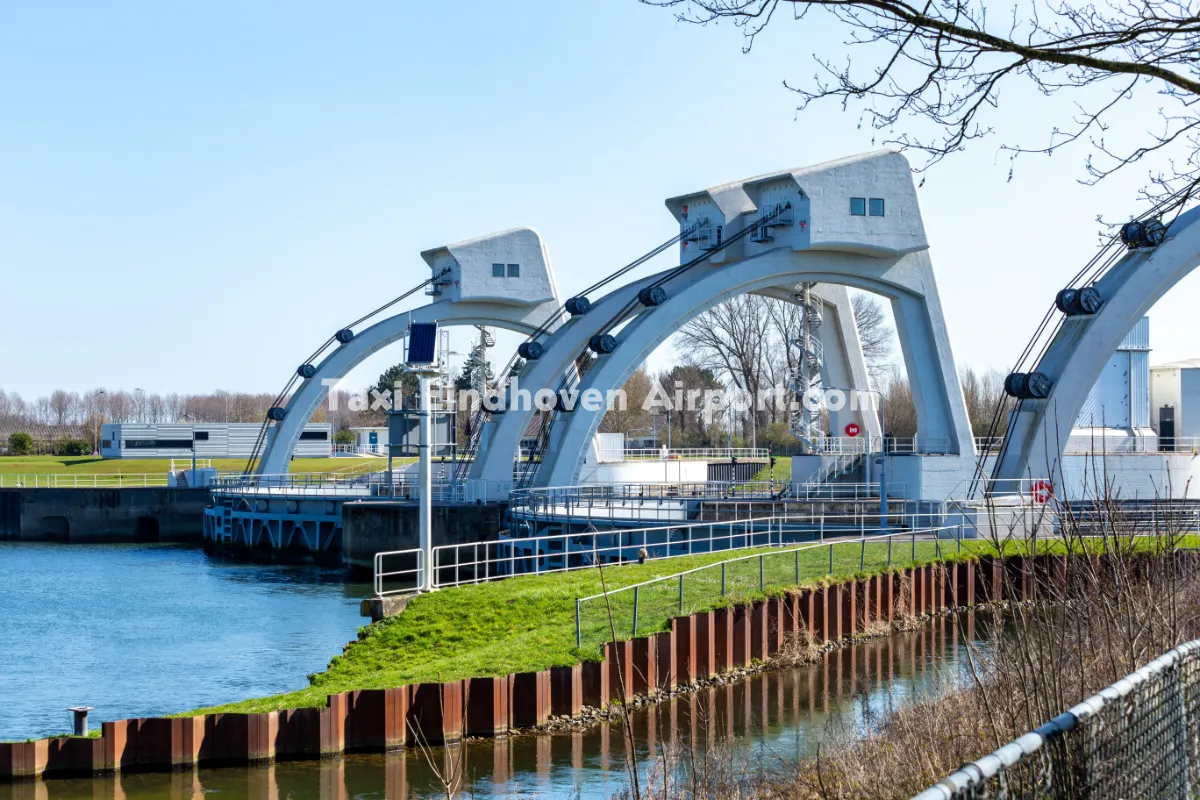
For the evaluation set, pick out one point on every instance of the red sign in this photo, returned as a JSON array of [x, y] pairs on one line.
[[1041, 491], [852, 429]]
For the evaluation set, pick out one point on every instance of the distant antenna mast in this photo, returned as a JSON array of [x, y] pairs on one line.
[[805, 422]]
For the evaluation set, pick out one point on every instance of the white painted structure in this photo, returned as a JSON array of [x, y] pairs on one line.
[[1074, 360], [372, 440], [467, 291], [825, 240], [1176, 386], [212, 440]]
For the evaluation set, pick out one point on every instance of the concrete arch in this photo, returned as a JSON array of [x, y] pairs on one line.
[[1038, 432], [493, 464], [906, 280], [283, 436]]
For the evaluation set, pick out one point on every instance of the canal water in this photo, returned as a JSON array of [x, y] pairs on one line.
[[763, 722], [148, 630]]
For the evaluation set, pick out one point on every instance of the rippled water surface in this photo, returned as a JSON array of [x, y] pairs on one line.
[[764, 721], [147, 630]]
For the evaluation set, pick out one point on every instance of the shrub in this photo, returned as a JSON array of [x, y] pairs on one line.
[[20, 444], [73, 447], [343, 437]]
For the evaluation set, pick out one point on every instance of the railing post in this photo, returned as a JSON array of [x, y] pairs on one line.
[[862, 556], [831, 559], [578, 631], [722, 579], [797, 567], [762, 586], [889, 551], [914, 545], [635, 609], [681, 595]]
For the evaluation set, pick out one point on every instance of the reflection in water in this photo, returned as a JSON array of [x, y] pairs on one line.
[[775, 716], [147, 630]]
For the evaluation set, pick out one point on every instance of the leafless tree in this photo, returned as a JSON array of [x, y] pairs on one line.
[[940, 67], [875, 336], [983, 392], [731, 339]]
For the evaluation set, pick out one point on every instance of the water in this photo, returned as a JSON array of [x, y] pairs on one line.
[[771, 719], [148, 630]]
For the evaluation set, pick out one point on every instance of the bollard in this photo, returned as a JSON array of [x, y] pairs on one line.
[[80, 716]]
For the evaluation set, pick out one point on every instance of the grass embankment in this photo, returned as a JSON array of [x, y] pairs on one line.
[[528, 624], [780, 473], [65, 465]]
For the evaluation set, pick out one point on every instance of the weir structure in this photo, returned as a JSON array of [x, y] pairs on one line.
[[807, 236], [1096, 312]]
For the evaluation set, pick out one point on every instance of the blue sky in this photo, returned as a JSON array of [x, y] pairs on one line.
[[193, 196]]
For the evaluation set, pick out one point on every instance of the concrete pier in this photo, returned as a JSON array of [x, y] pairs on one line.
[[149, 514], [375, 526]]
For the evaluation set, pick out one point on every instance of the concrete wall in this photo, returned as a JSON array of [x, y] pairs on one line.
[[370, 527], [153, 514]]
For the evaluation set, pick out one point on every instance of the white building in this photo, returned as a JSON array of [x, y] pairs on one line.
[[369, 441], [1175, 402], [211, 440]]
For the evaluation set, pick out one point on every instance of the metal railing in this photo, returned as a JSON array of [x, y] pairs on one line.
[[412, 578], [181, 464], [711, 584], [1138, 738], [696, 453], [844, 491], [479, 562], [361, 449], [661, 500], [356, 483], [87, 481]]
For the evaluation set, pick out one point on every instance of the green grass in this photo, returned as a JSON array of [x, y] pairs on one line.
[[528, 624], [65, 465], [780, 473]]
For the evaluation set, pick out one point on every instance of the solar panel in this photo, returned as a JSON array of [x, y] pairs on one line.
[[422, 343]]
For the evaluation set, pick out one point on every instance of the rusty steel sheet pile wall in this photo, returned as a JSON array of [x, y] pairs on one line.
[[694, 648]]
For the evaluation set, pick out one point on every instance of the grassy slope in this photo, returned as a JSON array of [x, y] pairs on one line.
[[63, 465], [527, 624]]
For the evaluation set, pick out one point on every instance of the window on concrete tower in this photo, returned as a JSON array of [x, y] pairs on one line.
[[514, 270], [497, 270], [858, 206], [876, 207]]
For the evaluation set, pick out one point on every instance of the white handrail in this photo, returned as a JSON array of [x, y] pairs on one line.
[[418, 571]]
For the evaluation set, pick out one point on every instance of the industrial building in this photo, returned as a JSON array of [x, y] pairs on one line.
[[1175, 403], [210, 440]]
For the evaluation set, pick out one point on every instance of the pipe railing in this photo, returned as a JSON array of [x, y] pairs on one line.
[[413, 575], [712, 583]]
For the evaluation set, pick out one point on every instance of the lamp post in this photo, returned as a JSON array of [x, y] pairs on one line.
[[96, 427], [193, 420]]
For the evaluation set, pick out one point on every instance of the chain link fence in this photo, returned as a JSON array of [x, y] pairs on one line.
[[1139, 738]]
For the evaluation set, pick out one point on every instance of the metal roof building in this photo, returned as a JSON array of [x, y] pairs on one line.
[[211, 440]]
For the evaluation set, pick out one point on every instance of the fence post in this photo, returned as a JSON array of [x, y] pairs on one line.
[[831, 558], [862, 556], [722, 579], [578, 632], [761, 582], [635, 609], [889, 551]]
